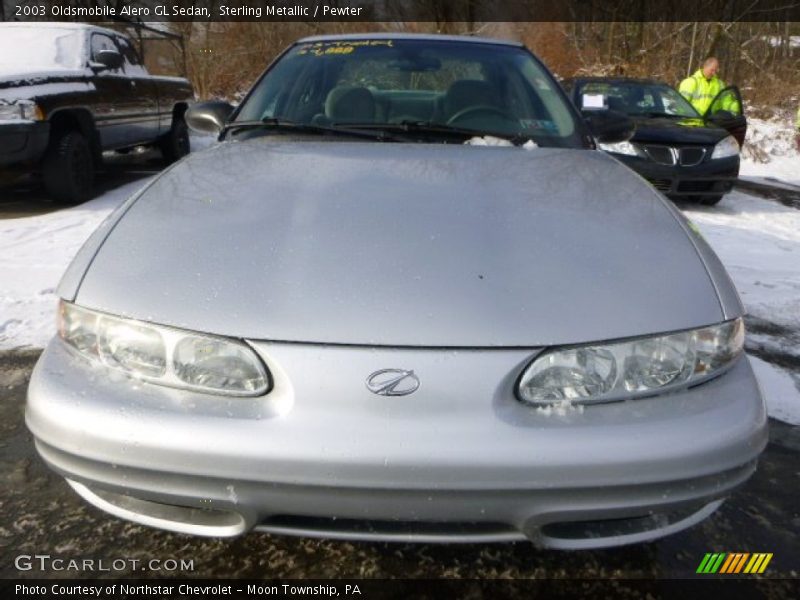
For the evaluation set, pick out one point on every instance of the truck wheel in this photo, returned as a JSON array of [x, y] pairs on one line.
[[68, 168], [175, 144]]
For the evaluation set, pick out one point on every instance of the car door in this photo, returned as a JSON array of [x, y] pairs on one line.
[[727, 111]]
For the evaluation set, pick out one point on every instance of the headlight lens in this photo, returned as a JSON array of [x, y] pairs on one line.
[[630, 369], [23, 110], [620, 148], [164, 355], [131, 347], [212, 363], [725, 148]]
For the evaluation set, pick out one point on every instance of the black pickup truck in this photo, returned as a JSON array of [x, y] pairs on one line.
[[70, 91]]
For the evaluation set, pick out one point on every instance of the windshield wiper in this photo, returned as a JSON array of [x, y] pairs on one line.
[[274, 123], [431, 127]]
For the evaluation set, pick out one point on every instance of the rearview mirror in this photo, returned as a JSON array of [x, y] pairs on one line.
[[609, 126], [208, 117]]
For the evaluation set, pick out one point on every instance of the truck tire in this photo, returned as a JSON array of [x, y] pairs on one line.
[[175, 144], [68, 168]]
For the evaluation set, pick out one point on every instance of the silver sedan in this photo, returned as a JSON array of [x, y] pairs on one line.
[[403, 298]]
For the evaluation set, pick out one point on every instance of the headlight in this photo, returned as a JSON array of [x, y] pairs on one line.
[[633, 368], [725, 148], [23, 110], [164, 355], [620, 148]]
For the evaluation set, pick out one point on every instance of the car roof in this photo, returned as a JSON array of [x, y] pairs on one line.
[[433, 37]]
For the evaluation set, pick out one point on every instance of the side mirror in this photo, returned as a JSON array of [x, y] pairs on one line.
[[109, 59], [609, 126], [208, 117]]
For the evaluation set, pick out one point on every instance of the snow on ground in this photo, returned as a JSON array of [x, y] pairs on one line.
[[758, 241], [780, 390], [770, 151], [36, 251]]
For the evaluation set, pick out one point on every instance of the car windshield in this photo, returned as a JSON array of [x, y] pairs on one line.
[[420, 86], [635, 99]]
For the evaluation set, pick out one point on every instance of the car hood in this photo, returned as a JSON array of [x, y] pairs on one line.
[[676, 131], [402, 244]]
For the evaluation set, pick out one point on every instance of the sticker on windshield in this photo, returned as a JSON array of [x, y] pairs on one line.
[[593, 101], [339, 47]]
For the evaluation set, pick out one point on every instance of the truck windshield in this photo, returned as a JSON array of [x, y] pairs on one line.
[[482, 87], [23, 48]]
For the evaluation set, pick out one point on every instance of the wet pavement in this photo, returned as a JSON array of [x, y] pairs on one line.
[[39, 514], [27, 197], [772, 189]]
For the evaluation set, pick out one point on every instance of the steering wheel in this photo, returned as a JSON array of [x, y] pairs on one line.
[[478, 111]]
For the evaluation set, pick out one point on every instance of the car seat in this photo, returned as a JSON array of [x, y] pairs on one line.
[[348, 104]]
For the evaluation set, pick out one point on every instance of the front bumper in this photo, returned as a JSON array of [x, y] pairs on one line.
[[710, 177], [22, 143], [321, 455]]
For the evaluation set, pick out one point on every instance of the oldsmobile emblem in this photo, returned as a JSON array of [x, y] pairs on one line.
[[393, 382]]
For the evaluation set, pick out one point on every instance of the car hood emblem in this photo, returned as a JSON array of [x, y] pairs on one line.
[[393, 382]]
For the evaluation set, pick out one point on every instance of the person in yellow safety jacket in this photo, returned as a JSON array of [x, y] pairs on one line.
[[703, 86]]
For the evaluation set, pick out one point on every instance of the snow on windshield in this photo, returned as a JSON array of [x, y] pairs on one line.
[[27, 49]]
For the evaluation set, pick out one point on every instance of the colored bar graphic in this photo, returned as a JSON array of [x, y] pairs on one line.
[[741, 563], [753, 563], [703, 563], [765, 563], [734, 558], [734, 562], [707, 566], [715, 567], [729, 562]]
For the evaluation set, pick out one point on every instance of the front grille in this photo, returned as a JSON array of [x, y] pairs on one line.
[[610, 528], [690, 157], [663, 155], [378, 527], [662, 185]]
